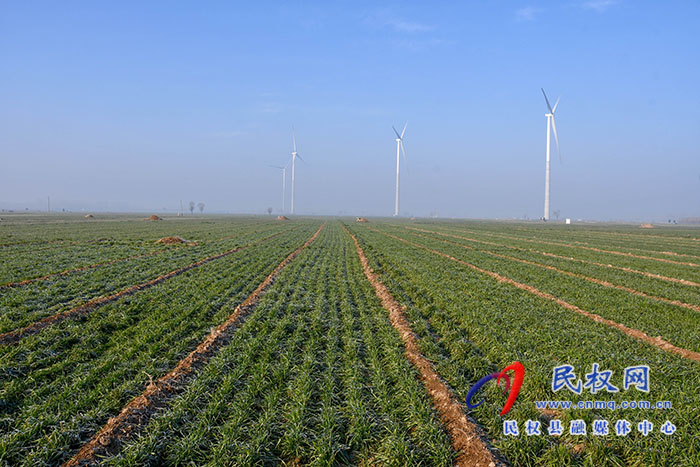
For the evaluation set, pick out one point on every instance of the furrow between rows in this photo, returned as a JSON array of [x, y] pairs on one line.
[[157, 394]]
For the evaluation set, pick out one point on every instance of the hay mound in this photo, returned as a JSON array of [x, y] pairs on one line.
[[154, 218], [171, 240], [361, 219], [646, 226], [282, 218], [89, 216]]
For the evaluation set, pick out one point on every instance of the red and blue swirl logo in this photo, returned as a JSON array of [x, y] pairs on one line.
[[518, 375]]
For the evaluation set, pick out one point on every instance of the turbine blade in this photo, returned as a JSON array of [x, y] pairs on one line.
[[556, 137], [294, 137], [397, 133], [275, 166], [301, 159], [404, 129], [547, 100], [554, 109], [405, 161]]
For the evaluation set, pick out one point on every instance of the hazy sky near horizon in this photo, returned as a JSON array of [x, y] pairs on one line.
[[137, 105]]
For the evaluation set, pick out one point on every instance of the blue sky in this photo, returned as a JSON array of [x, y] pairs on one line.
[[136, 105]]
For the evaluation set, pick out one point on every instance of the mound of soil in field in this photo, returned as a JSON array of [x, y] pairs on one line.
[[361, 219], [154, 218], [282, 218], [171, 240], [646, 226], [175, 241], [89, 216]]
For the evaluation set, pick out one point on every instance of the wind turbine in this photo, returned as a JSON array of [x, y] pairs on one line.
[[551, 124], [399, 147], [295, 155], [284, 183]]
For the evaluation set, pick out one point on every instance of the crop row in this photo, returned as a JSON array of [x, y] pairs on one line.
[[666, 243], [653, 284], [315, 375], [471, 325], [112, 228], [60, 386], [680, 271], [28, 261], [643, 313], [22, 305]]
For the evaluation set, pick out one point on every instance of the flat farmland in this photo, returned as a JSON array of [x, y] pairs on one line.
[[329, 342]]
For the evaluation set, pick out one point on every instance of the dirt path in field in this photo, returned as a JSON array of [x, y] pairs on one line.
[[568, 258], [467, 439], [156, 396], [12, 337], [593, 280], [599, 250], [655, 341]]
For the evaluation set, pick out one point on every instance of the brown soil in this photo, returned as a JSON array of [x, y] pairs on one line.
[[171, 240], [467, 439], [154, 218], [646, 226], [579, 276], [157, 394], [569, 258], [578, 448], [89, 216], [15, 336], [361, 219], [550, 414], [282, 218], [655, 341]]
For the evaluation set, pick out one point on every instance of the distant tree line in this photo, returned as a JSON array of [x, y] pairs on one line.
[[200, 205]]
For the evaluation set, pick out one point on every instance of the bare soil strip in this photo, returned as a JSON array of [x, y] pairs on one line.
[[569, 258], [599, 250], [578, 276], [655, 341], [467, 439], [12, 337], [158, 393]]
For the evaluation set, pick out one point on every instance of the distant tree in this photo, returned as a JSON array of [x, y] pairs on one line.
[[269, 211], [191, 207], [556, 214], [201, 207]]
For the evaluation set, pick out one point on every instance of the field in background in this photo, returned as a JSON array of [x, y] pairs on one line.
[[307, 365]]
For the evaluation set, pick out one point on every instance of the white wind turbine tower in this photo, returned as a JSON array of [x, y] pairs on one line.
[[284, 183], [399, 147], [295, 155], [551, 125]]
